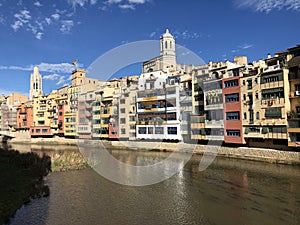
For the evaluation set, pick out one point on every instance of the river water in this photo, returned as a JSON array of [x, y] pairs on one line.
[[229, 192]]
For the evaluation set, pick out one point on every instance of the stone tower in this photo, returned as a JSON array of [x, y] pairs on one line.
[[35, 83], [167, 51]]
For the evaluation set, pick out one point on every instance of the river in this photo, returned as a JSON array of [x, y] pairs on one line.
[[230, 191]]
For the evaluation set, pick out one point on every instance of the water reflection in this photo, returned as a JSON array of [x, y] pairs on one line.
[[228, 192]]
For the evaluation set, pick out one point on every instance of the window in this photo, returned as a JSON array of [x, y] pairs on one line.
[[172, 130], [82, 111], [249, 86], [44, 130], [122, 121], [122, 110], [38, 131], [252, 130], [245, 116], [159, 130], [82, 120], [256, 96], [271, 78], [150, 130], [251, 117], [272, 93], [232, 97], [60, 113], [123, 131], [244, 82], [257, 115], [122, 101], [233, 133], [142, 130], [235, 72], [231, 83], [232, 115], [255, 80], [41, 122], [272, 113]]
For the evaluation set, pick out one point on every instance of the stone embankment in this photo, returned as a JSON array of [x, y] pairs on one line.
[[257, 154], [250, 153]]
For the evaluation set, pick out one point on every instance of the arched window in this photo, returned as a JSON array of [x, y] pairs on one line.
[[170, 44], [166, 44]]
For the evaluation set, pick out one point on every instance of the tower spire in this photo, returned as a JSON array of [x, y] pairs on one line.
[[35, 83]]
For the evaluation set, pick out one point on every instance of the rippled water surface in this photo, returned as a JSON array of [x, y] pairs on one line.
[[228, 192]]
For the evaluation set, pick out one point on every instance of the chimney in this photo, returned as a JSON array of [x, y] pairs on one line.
[[269, 56]]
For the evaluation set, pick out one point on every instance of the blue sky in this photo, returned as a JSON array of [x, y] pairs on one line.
[[52, 34]]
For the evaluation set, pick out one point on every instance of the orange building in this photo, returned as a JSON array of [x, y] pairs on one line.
[[233, 126], [24, 116]]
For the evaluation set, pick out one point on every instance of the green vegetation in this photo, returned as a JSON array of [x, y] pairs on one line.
[[21, 178]]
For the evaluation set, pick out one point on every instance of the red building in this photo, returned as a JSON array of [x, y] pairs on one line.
[[113, 129], [24, 116], [41, 131], [62, 108], [233, 126]]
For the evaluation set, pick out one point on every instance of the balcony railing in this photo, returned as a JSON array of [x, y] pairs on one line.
[[272, 68]]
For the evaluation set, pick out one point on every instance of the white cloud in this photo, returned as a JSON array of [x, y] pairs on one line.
[[48, 20], [186, 35], [66, 26], [22, 17], [38, 4], [54, 76], [7, 93], [137, 1], [127, 6], [61, 81], [113, 1], [17, 25], [152, 34], [39, 35], [269, 5], [245, 46], [44, 67], [56, 68], [55, 16], [75, 3], [93, 2]]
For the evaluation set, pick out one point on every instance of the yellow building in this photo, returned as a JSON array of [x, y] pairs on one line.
[[103, 109], [45, 114]]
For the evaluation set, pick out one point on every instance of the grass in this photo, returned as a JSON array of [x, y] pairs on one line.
[[21, 178]]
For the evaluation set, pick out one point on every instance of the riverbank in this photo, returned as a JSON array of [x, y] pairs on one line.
[[21, 179], [247, 153]]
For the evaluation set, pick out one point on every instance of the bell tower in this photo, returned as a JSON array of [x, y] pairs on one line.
[[35, 84], [168, 51]]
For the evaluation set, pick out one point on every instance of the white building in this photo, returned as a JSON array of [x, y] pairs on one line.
[[158, 107]]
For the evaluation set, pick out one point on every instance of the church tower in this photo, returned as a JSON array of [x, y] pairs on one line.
[[167, 51], [35, 83]]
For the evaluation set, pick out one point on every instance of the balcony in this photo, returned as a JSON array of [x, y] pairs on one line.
[[272, 68], [275, 102]]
